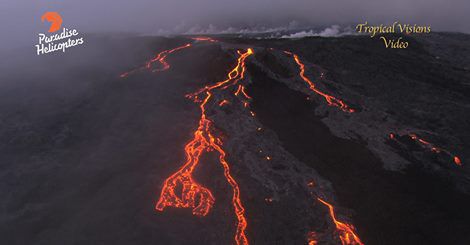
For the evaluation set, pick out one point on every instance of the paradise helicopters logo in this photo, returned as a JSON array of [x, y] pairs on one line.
[[59, 41]]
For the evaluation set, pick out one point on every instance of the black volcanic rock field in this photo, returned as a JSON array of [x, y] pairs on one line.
[[85, 150]]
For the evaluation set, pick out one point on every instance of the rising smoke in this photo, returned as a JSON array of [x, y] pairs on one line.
[[21, 19]]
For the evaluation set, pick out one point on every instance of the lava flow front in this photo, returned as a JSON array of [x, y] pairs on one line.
[[427, 145], [312, 238], [331, 100], [192, 194], [346, 231]]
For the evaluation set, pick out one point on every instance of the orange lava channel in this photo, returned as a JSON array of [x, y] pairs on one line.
[[331, 100], [428, 145], [161, 58], [435, 149], [192, 194], [235, 75], [346, 231]]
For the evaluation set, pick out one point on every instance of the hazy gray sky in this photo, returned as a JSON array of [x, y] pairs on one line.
[[20, 19]]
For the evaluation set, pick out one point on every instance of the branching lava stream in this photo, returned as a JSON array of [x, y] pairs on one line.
[[181, 190], [193, 195], [346, 231]]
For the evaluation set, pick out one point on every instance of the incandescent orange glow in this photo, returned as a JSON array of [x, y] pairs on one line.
[[181, 190], [244, 93], [235, 75], [311, 184], [191, 190], [193, 195], [224, 102], [160, 57], [312, 242], [238, 90], [346, 231], [312, 238], [208, 39], [331, 100], [428, 145], [457, 161]]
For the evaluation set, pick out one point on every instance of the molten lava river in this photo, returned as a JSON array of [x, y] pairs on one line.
[[182, 190]]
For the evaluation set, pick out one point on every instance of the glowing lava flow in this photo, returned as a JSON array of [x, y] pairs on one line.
[[235, 75], [312, 238], [224, 102], [346, 231], [160, 57], [208, 39], [193, 195], [331, 100], [428, 145]]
